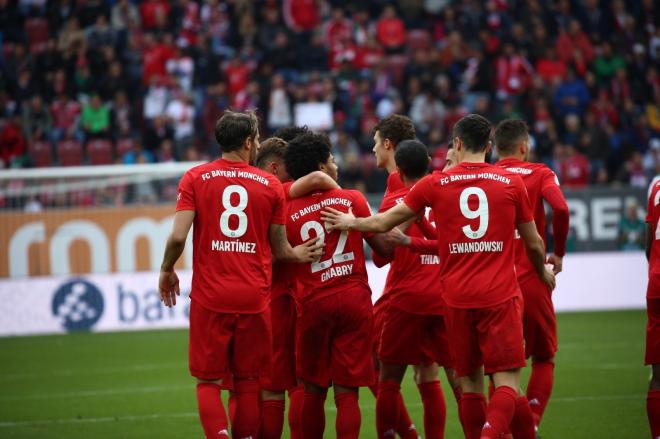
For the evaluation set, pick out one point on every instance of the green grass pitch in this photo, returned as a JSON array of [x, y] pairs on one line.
[[136, 385]]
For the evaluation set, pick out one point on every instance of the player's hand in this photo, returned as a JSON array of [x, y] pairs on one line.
[[396, 237], [310, 251], [168, 284], [557, 263], [548, 278], [337, 220]]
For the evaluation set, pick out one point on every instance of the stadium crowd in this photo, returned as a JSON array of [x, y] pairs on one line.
[[94, 82]]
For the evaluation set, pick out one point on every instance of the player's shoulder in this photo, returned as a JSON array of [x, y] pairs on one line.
[[199, 169], [394, 182]]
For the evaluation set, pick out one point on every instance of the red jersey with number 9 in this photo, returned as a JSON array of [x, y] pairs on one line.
[[342, 265], [476, 207], [652, 216], [234, 205]]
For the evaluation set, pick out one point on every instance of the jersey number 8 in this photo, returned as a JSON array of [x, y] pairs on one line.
[[231, 210]]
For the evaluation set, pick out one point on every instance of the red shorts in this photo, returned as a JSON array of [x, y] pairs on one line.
[[224, 344], [414, 339], [539, 321], [335, 339], [492, 337], [652, 332], [282, 374]]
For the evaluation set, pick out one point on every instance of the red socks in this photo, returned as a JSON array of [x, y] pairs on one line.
[[435, 409], [387, 408], [272, 419], [540, 388], [472, 411], [246, 421], [501, 409], [522, 424], [211, 411], [404, 426], [348, 415], [296, 399], [313, 415], [653, 412]]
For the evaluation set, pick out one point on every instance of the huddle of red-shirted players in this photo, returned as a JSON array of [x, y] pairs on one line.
[[281, 301]]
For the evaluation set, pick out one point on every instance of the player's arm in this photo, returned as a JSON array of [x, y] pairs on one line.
[[649, 240], [314, 181], [168, 283], [560, 218], [419, 245], [382, 222], [536, 252], [306, 252]]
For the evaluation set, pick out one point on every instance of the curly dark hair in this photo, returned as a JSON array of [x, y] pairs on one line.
[[305, 153], [272, 148], [289, 133], [396, 128], [412, 159]]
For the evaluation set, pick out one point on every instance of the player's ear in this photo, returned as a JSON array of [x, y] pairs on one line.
[[489, 146]]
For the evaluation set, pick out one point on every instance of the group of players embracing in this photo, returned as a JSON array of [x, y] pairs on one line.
[[281, 300]]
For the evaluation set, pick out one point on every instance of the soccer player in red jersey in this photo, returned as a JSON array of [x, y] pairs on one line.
[[652, 356], [335, 331], [539, 321], [413, 324], [476, 209], [238, 213], [387, 135], [283, 310]]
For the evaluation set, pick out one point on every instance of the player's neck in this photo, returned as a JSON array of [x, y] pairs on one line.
[[235, 156], [519, 157], [391, 165], [473, 157]]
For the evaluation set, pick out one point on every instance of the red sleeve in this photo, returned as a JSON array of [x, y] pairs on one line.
[[381, 261], [649, 208], [523, 206], [279, 208], [287, 189], [361, 209], [418, 197], [428, 230], [560, 217], [424, 246], [185, 199]]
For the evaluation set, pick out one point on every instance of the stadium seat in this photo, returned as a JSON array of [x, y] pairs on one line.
[[99, 152], [41, 154], [397, 65], [418, 39], [124, 146], [69, 153], [37, 33]]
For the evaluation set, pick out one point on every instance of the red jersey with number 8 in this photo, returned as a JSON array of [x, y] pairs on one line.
[[234, 205], [652, 217], [476, 207], [342, 265]]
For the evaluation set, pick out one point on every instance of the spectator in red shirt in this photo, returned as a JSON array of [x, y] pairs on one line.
[[550, 67], [514, 74], [572, 41], [574, 169], [390, 30], [156, 56], [338, 29], [66, 113], [12, 143], [154, 13], [237, 74], [301, 15]]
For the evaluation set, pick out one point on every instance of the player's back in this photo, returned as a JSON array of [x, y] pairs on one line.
[[476, 207], [652, 218], [536, 177], [413, 281], [234, 204], [342, 264]]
